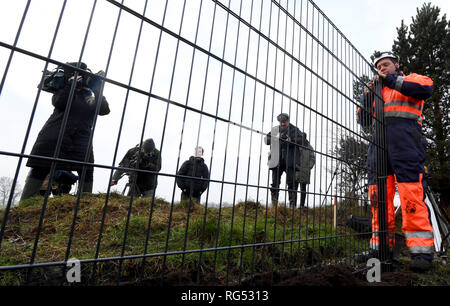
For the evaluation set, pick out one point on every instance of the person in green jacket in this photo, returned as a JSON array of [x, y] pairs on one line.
[[303, 169]]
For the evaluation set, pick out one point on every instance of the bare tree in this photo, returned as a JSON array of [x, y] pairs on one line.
[[352, 170], [5, 189]]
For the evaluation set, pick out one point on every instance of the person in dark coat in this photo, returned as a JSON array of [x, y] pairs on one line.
[[76, 134], [142, 184], [303, 169], [284, 156], [194, 167]]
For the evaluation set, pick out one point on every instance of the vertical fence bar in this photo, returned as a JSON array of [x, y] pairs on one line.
[[250, 146], [381, 176], [213, 273], [100, 234], [268, 191], [274, 247], [196, 145], [162, 141], [148, 232], [239, 144], [119, 273]]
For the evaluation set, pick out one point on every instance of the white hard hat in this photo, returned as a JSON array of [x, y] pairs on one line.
[[381, 55]]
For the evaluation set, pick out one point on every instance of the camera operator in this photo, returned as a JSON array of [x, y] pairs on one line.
[[148, 158], [284, 155], [78, 128]]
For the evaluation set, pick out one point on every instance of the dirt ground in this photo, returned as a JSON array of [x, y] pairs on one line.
[[399, 275], [329, 276], [319, 276]]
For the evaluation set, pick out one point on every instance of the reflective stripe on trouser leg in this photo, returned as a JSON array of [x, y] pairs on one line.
[[420, 242], [416, 218], [390, 194]]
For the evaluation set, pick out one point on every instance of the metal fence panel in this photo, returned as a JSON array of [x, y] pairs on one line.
[[207, 73]]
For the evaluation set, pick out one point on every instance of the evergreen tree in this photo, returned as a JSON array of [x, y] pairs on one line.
[[424, 48]]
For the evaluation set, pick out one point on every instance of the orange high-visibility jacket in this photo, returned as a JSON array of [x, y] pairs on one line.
[[403, 97]]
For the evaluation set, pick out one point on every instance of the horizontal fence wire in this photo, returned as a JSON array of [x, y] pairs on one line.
[[183, 188]]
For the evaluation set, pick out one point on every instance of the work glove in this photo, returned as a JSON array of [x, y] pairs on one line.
[[391, 80]]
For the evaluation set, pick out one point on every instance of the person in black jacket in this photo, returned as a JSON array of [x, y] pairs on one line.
[[147, 158], [77, 131], [284, 141], [194, 167]]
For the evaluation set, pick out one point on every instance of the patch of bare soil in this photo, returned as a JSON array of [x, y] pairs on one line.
[[328, 276]]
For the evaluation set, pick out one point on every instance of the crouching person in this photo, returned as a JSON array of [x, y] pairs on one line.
[[62, 183]]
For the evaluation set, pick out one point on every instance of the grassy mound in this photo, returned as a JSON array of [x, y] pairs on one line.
[[157, 227]]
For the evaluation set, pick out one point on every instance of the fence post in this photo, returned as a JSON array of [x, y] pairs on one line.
[[381, 168]]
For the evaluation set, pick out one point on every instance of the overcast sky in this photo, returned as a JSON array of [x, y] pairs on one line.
[[368, 25], [371, 24]]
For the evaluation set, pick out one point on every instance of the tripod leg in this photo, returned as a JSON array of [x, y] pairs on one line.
[[125, 188]]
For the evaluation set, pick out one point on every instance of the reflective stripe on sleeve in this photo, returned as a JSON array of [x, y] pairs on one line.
[[399, 83], [427, 235]]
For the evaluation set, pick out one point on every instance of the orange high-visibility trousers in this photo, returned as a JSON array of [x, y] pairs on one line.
[[418, 231], [389, 202], [416, 221], [406, 156]]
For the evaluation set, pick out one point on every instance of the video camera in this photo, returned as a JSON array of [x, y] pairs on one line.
[[284, 136], [143, 158], [53, 80], [60, 76]]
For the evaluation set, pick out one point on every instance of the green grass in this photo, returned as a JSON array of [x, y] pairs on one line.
[[246, 223]]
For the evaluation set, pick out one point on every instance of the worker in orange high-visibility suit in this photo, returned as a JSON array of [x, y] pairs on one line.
[[403, 98]]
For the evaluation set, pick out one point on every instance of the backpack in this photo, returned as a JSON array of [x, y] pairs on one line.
[[361, 225], [312, 155]]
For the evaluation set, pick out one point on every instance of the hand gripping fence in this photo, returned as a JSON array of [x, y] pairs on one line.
[[207, 73]]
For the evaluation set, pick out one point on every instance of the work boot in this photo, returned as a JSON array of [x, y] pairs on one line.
[[420, 264], [87, 187], [364, 257], [31, 188], [292, 204], [292, 200], [274, 199]]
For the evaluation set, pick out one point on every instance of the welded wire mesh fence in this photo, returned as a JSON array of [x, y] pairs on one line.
[[186, 74]]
